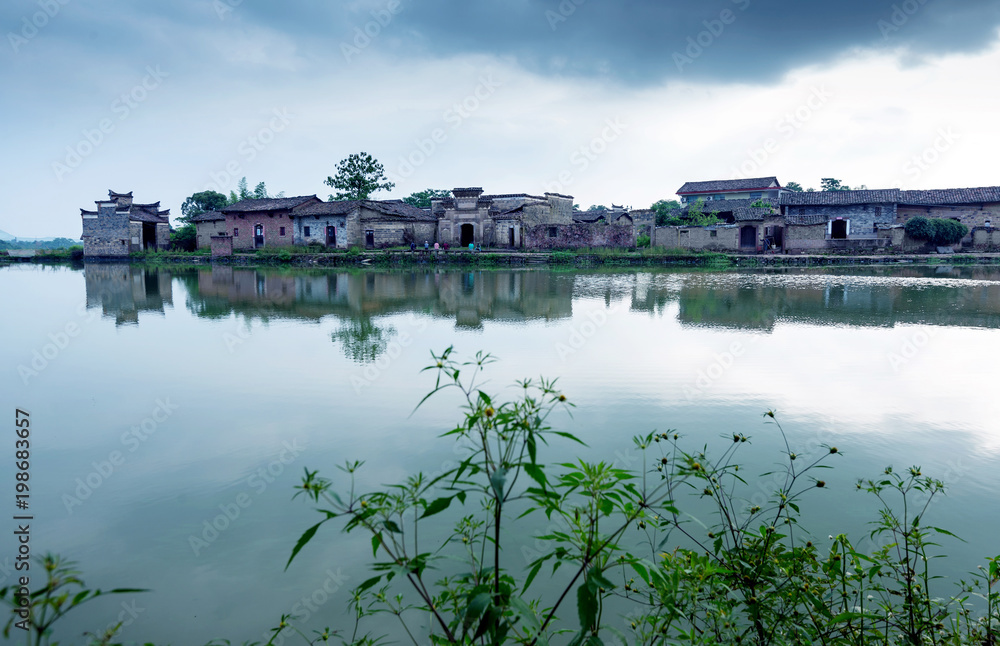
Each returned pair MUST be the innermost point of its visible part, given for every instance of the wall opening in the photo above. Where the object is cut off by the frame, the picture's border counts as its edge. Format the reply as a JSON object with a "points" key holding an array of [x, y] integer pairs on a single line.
{"points": [[748, 237], [258, 236], [468, 233], [838, 229], [331, 236]]}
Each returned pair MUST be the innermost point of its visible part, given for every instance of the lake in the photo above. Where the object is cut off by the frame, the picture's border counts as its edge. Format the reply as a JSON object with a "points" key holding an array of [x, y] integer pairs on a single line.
{"points": [[162, 399]]}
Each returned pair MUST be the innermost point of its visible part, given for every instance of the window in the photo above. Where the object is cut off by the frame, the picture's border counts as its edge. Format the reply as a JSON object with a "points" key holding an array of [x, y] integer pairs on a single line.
{"points": [[713, 234], [236, 232], [988, 224], [306, 231], [281, 231], [756, 196], [878, 211], [719, 197], [553, 232]]}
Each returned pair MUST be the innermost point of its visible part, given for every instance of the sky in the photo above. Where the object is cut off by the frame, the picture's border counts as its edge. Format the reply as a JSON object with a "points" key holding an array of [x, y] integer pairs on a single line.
{"points": [[611, 102]]}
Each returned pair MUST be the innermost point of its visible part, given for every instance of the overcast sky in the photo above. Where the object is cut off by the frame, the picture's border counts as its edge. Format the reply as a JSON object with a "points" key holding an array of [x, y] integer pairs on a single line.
{"points": [[612, 102]]}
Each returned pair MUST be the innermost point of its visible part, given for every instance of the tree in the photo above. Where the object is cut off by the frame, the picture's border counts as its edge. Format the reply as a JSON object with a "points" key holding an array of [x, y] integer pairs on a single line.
{"points": [[941, 232], [697, 217], [185, 238], [202, 203], [598, 207], [831, 184], [358, 177], [793, 186], [666, 212], [422, 199]]}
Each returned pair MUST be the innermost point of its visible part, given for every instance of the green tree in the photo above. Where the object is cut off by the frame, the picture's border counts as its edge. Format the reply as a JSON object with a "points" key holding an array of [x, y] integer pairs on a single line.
{"points": [[696, 215], [185, 238], [793, 186], [201, 203], [358, 177], [422, 199], [831, 184], [598, 207], [667, 212]]}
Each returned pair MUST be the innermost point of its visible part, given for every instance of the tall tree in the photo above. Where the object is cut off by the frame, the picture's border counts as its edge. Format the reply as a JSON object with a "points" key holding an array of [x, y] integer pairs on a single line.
{"points": [[358, 177], [201, 203], [793, 186], [667, 212], [831, 184], [422, 199]]}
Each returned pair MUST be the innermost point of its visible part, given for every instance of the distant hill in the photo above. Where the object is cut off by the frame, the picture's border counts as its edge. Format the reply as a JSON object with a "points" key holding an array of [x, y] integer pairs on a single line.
{"points": [[5, 236]]}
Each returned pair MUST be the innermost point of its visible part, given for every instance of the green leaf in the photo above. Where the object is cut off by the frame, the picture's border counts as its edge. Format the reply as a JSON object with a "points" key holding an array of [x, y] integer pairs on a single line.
{"points": [[596, 580], [392, 527], [524, 611], [586, 607], [437, 506], [535, 473], [368, 583], [305, 538], [376, 542], [476, 606]]}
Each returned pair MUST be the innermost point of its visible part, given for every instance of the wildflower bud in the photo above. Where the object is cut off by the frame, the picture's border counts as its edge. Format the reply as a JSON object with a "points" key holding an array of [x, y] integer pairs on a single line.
{"points": [[562, 398], [489, 411], [820, 484], [736, 438], [833, 449], [792, 456]]}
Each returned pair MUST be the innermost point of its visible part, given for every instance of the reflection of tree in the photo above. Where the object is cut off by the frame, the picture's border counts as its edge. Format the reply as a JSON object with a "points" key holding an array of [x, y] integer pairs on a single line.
{"points": [[363, 340]]}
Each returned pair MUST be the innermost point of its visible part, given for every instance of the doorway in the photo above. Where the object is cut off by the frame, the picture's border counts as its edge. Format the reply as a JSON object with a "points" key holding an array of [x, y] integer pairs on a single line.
{"points": [[748, 237], [148, 235], [331, 236], [778, 238], [838, 229], [370, 239], [468, 235], [258, 236], [511, 231]]}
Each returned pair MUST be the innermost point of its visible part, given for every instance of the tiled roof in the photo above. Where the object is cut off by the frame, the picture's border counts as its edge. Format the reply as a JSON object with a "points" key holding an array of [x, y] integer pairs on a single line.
{"points": [[208, 216], [268, 204], [731, 206], [113, 195], [343, 207], [146, 216], [745, 213], [805, 220], [832, 198], [722, 185], [394, 208], [951, 196]]}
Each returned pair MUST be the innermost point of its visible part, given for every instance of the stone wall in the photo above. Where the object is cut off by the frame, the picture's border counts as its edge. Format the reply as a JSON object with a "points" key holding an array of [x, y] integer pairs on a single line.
{"points": [[575, 236], [241, 227], [726, 238], [221, 245], [317, 225], [162, 235], [205, 231], [984, 238], [805, 237], [107, 234], [862, 218]]}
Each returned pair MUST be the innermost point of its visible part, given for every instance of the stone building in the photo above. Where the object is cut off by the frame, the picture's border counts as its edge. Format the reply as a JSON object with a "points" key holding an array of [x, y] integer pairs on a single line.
{"points": [[469, 216], [753, 188], [207, 225], [256, 224], [119, 226], [976, 208], [368, 223]]}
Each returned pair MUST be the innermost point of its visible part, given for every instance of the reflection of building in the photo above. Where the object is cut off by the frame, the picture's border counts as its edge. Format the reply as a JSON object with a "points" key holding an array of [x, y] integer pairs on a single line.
{"points": [[467, 297], [119, 226], [122, 291]]}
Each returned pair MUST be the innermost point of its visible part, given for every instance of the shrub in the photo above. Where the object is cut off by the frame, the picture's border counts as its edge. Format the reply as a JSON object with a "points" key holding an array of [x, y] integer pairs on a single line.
{"points": [[642, 241], [938, 231]]}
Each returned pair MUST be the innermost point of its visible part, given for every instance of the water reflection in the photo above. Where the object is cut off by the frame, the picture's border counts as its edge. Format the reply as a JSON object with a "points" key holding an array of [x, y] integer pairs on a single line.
{"points": [[122, 291]]}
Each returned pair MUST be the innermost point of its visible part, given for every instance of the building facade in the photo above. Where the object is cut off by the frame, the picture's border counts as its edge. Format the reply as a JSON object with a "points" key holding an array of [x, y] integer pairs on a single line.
{"points": [[120, 226]]}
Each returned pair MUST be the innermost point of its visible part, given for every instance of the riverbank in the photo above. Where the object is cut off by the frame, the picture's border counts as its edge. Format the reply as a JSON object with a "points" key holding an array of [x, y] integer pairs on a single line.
{"points": [[577, 258]]}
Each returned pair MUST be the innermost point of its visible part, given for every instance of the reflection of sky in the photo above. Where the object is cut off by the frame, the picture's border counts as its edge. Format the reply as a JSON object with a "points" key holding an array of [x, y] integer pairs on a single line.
{"points": [[627, 370]]}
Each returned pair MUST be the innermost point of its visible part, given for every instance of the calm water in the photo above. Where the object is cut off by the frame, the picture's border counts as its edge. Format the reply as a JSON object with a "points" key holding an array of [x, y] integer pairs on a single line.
{"points": [[213, 389]]}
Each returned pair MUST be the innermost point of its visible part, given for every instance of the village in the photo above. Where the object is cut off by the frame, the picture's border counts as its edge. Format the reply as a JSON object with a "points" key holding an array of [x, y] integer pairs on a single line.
{"points": [[745, 216]]}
